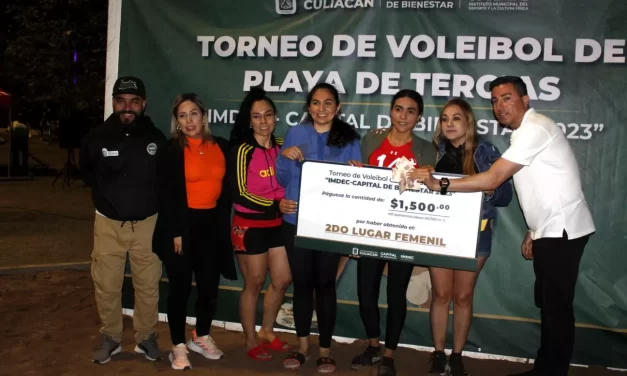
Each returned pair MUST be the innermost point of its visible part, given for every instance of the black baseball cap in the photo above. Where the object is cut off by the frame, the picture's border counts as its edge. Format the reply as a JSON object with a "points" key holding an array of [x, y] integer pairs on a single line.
{"points": [[129, 85]]}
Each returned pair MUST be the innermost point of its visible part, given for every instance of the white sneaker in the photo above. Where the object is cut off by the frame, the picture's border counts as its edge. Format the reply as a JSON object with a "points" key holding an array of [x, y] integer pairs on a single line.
{"points": [[178, 358], [204, 346]]}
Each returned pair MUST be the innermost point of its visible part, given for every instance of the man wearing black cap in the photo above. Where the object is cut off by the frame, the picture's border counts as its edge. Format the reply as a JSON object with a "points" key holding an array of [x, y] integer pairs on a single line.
{"points": [[118, 162]]}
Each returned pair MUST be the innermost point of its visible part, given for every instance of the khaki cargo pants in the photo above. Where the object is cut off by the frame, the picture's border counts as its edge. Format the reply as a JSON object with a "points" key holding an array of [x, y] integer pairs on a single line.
{"points": [[113, 240]]}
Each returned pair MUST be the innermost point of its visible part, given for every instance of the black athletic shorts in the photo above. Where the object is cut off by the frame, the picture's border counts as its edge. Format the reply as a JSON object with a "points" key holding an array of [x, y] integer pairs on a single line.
{"points": [[256, 240]]}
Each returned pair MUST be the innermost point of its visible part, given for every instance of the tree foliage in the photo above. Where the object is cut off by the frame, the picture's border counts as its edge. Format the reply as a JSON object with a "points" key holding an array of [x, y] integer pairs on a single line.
{"points": [[43, 37]]}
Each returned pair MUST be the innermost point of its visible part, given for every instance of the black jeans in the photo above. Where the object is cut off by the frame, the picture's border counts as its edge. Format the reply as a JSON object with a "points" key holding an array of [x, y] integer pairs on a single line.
{"points": [[369, 273], [199, 259], [556, 266], [312, 271]]}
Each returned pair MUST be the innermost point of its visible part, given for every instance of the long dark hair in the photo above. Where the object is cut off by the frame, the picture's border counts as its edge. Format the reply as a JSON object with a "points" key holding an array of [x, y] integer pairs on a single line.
{"points": [[242, 129], [341, 132], [411, 94]]}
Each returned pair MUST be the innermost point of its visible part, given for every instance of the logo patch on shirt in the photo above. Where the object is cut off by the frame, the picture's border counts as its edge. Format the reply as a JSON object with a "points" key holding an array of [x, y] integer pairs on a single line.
{"points": [[151, 148], [109, 153], [266, 173]]}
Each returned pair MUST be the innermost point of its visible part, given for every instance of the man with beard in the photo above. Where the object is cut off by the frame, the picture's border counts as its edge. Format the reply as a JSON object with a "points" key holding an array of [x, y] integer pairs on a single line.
{"points": [[547, 181], [119, 160]]}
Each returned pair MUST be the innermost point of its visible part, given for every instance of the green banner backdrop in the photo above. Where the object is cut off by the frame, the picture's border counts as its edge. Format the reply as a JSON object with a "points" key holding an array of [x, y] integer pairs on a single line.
{"points": [[571, 53]]}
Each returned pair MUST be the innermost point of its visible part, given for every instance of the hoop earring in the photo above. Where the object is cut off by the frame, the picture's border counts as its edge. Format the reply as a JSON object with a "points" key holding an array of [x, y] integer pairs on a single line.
{"points": [[178, 127]]}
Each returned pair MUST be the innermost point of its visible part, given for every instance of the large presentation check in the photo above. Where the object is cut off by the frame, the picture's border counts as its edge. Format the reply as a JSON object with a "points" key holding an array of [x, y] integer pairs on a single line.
{"points": [[359, 211]]}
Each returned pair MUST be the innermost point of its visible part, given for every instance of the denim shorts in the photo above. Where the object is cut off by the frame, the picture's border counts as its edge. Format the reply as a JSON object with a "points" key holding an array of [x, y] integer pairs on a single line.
{"points": [[484, 246]]}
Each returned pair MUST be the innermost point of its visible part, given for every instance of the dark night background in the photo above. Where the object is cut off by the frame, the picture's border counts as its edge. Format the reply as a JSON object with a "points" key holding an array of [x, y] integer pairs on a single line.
{"points": [[53, 58]]}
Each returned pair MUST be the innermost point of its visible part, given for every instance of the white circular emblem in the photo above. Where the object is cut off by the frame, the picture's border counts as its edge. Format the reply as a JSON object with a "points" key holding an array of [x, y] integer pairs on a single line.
{"points": [[105, 152], [152, 148]]}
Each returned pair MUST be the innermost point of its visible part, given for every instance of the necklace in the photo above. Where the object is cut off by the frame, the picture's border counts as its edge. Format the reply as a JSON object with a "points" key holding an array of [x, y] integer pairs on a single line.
{"points": [[201, 149]]}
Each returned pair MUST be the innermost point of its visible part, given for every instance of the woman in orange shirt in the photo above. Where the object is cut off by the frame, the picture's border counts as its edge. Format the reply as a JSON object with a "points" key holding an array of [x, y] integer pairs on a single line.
{"points": [[192, 231]]}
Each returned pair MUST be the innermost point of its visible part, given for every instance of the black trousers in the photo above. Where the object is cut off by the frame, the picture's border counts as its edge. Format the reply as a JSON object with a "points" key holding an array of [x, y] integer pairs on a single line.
{"points": [[312, 271], [369, 273], [19, 157], [556, 266], [200, 260]]}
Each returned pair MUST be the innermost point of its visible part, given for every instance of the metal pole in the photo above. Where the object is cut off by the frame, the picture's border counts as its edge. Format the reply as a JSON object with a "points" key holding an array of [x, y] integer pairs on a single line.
{"points": [[10, 145]]}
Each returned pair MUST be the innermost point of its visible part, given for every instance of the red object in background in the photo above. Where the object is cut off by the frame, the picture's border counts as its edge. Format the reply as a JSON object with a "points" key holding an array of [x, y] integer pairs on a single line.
{"points": [[5, 98]]}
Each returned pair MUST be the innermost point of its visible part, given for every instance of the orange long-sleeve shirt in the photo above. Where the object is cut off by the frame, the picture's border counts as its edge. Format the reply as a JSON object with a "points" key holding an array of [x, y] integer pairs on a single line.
{"points": [[205, 167]]}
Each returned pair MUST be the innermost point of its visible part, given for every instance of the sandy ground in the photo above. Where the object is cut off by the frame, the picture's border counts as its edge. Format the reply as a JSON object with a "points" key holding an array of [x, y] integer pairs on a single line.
{"points": [[49, 327], [48, 318]]}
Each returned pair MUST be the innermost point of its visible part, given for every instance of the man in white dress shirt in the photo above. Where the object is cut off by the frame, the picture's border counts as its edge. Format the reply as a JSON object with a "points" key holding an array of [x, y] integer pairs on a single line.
{"points": [[546, 177]]}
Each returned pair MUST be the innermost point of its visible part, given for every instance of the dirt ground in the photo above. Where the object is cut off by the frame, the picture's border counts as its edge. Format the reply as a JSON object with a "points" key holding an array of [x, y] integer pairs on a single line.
{"points": [[48, 318], [49, 327]]}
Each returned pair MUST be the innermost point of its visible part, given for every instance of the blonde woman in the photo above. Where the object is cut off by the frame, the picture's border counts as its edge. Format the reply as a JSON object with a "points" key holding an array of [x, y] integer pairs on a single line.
{"points": [[461, 151], [192, 232]]}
